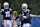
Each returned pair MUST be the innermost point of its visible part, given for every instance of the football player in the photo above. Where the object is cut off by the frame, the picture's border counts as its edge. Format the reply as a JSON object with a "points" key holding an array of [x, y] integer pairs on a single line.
{"points": [[17, 22], [6, 15], [15, 19], [25, 16]]}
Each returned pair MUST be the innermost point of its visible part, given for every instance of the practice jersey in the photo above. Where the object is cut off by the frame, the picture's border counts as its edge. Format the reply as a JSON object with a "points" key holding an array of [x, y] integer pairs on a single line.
{"points": [[6, 13], [24, 14]]}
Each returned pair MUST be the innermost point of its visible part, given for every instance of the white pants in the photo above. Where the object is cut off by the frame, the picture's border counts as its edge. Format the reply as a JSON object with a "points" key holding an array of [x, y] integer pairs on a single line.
{"points": [[27, 25], [15, 24], [7, 23], [20, 24]]}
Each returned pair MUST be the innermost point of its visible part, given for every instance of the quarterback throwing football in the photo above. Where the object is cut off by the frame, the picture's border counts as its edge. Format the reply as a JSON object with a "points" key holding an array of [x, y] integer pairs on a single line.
{"points": [[25, 16]]}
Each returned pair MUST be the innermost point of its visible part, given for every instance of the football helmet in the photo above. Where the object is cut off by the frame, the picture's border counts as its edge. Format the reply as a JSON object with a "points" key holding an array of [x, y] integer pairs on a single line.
{"points": [[24, 6], [6, 5]]}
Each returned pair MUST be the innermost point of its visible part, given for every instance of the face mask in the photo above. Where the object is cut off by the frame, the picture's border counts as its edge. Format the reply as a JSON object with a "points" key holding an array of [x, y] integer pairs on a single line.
{"points": [[6, 7], [23, 9]]}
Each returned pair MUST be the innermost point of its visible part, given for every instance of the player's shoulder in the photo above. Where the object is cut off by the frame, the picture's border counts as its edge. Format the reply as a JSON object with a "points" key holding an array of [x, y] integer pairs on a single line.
{"points": [[10, 9], [2, 10], [27, 10]]}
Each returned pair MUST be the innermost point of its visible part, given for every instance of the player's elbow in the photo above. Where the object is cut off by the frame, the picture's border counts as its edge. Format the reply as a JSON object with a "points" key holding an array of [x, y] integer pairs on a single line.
{"points": [[27, 18]]}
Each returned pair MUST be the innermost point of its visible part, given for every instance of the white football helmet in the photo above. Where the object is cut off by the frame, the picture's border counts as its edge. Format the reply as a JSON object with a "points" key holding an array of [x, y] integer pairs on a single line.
{"points": [[6, 5], [15, 13], [24, 6]]}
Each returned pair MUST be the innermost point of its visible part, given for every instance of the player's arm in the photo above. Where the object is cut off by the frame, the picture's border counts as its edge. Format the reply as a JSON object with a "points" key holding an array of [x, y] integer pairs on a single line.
{"points": [[2, 15], [11, 16], [11, 13], [27, 15], [2, 18]]}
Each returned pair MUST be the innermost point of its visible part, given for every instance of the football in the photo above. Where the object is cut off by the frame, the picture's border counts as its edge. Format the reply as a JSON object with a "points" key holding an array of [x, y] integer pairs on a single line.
{"points": [[21, 15]]}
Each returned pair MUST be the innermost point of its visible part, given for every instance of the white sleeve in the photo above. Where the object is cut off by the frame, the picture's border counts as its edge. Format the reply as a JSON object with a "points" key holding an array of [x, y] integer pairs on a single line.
{"points": [[24, 17], [28, 10], [2, 10]]}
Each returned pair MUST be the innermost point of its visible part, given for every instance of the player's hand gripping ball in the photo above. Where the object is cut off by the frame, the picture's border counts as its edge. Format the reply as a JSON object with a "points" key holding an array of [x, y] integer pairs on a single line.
{"points": [[21, 15]]}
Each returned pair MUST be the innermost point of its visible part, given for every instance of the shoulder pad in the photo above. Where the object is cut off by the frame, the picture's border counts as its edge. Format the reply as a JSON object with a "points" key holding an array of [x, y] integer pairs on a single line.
{"points": [[27, 10], [10, 9], [2, 10]]}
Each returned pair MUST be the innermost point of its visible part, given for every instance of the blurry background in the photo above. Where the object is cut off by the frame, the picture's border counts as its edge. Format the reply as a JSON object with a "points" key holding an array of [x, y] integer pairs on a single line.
{"points": [[34, 6]]}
